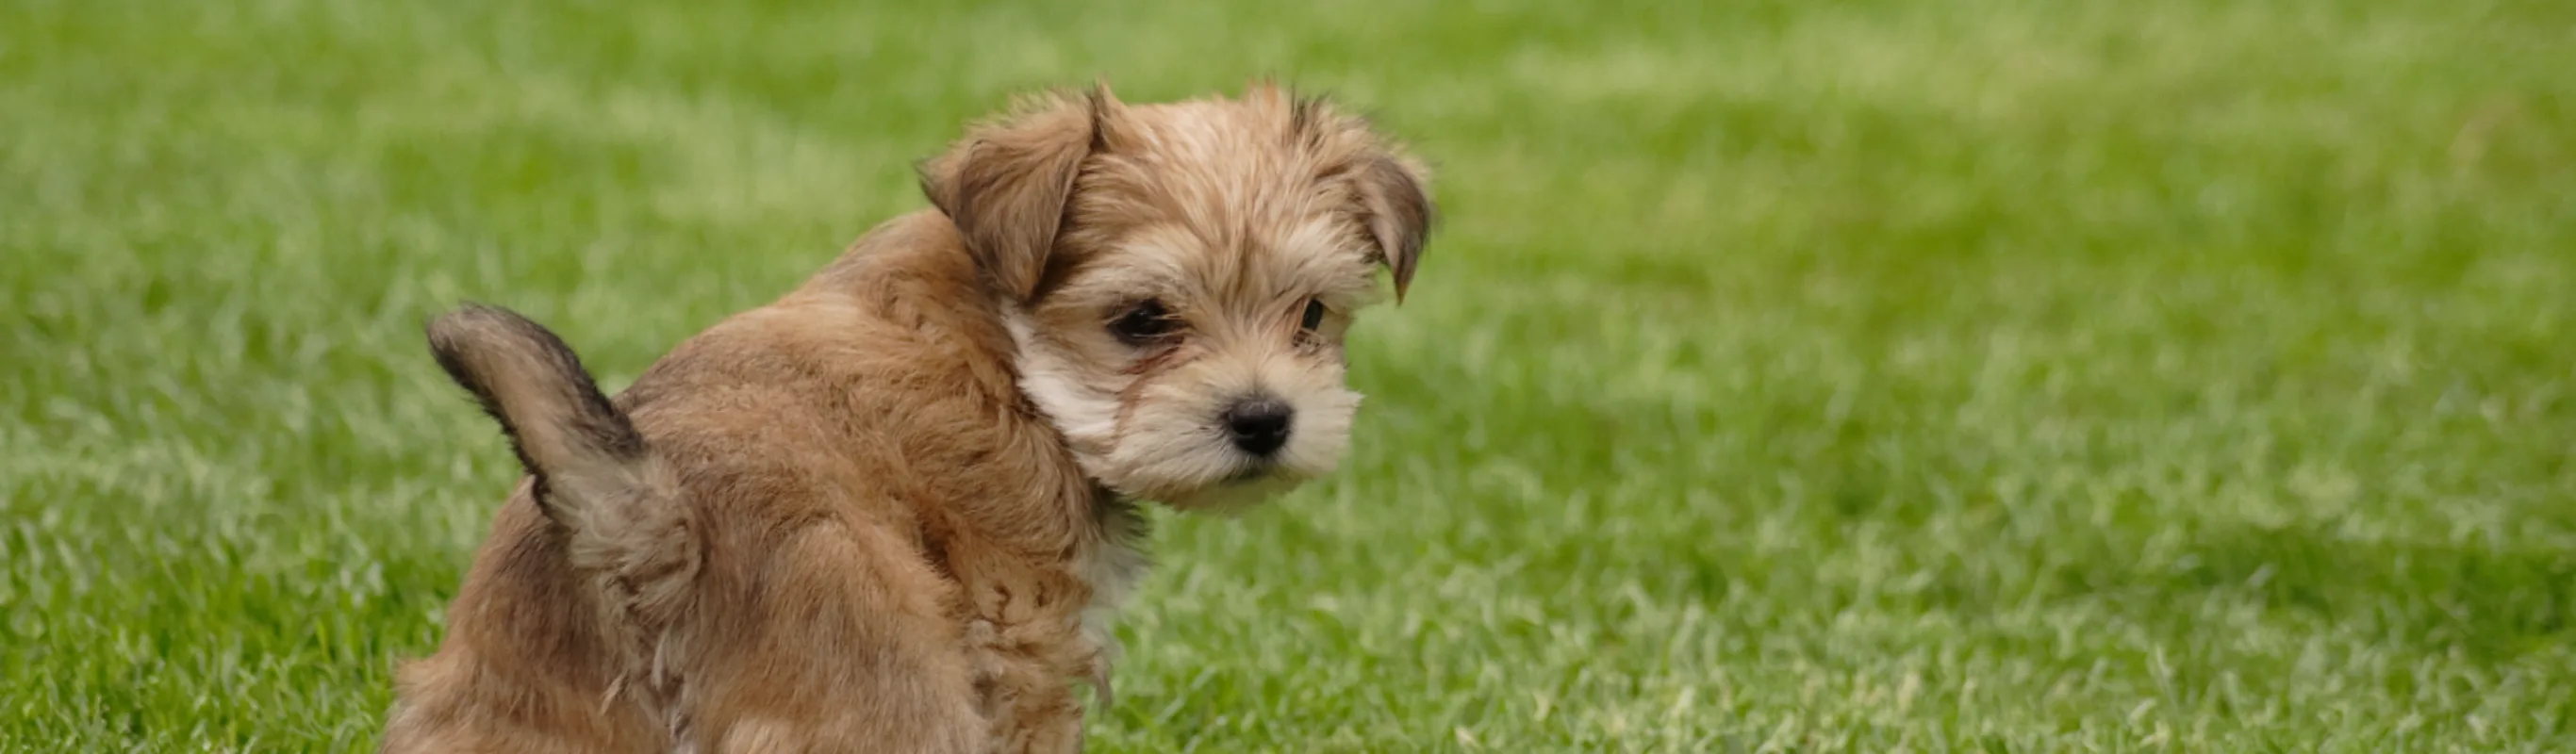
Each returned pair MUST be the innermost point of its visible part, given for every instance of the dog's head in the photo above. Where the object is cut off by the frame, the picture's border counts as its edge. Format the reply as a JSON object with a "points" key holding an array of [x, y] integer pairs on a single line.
{"points": [[1178, 277]]}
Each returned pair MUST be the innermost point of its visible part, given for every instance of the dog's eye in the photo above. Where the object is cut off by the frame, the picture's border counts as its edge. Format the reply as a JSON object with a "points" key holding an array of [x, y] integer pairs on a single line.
{"points": [[1142, 323], [1314, 315]]}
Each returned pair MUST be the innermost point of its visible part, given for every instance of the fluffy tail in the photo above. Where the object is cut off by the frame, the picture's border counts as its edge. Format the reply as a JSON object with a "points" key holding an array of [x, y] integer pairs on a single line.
{"points": [[595, 476], [584, 454]]}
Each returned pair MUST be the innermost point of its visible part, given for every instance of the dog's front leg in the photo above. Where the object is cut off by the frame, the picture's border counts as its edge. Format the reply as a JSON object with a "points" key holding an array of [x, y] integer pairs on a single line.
{"points": [[1024, 672], [1032, 710]]}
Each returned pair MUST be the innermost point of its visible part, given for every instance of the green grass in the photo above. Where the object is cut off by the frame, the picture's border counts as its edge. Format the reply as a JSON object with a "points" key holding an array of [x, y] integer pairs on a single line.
{"points": [[1953, 375]]}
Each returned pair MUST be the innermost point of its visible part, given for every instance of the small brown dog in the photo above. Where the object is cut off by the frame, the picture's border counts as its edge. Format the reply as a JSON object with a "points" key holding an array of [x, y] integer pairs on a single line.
{"points": [[892, 510]]}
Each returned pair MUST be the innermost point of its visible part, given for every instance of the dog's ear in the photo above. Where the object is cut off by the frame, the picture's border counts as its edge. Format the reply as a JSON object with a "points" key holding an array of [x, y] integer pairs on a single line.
{"points": [[1006, 183], [1398, 213], [1394, 204]]}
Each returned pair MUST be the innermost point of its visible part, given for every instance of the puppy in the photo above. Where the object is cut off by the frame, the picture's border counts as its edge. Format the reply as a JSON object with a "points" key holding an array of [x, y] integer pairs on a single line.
{"points": [[893, 510]]}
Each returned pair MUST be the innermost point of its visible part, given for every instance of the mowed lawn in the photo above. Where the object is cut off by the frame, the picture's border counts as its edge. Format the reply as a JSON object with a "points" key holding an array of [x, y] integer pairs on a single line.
{"points": [[1946, 375]]}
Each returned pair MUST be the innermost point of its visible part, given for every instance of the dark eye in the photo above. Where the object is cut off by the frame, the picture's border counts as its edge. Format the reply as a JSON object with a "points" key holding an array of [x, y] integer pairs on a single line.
{"points": [[1314, 315], [1142, 323]]}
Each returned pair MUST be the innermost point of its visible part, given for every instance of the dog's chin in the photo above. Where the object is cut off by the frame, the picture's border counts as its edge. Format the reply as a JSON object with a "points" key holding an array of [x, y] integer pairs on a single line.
{"points": [[1236, 488], [1236, 493]]}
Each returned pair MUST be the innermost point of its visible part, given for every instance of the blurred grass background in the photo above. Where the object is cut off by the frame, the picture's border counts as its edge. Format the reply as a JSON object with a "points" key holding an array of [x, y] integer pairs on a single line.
{"points": [[1869, 375]]}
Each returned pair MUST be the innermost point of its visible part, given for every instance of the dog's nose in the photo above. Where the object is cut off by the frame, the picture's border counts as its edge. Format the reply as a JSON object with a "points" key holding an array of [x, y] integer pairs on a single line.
{"points": [[1258, 425]]}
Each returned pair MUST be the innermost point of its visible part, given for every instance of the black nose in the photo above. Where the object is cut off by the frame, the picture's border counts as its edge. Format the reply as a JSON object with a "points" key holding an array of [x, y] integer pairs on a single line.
{"points": [[1259, 425]]}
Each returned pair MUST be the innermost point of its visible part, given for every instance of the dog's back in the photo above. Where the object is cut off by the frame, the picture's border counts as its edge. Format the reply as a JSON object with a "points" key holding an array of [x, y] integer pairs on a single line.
{"points": [[769, 465]]}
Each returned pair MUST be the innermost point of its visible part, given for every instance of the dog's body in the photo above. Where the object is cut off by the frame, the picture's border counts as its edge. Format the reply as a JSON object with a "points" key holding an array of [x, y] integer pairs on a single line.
{"points": [[890, 511]]}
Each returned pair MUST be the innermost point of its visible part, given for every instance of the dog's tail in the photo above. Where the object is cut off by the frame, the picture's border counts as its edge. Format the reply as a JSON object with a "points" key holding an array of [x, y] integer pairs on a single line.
{"points": [[582, 451], [617, 502], [595, 475]]}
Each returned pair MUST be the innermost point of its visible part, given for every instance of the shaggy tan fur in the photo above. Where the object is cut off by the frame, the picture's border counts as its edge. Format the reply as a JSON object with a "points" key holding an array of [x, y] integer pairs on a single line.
{"points": [[892, 510]]}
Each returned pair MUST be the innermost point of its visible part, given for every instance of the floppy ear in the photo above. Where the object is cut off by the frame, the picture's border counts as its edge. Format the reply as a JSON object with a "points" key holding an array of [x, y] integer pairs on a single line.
{"points": [[1006, 183], [1398, 213]]}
